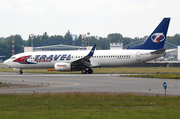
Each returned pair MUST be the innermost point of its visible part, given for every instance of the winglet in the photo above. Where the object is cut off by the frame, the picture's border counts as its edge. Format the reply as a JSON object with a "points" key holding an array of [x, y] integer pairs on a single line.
{"points": [[92, 51]]}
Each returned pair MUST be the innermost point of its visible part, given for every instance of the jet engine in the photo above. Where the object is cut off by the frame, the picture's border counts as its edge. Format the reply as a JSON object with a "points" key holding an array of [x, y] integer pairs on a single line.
{"points": [[62, 67]]}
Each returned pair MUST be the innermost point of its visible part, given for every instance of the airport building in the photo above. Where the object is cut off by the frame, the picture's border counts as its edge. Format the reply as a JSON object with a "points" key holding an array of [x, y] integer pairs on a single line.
{"points": [[178, 55], [116, 46], [55, 48]]}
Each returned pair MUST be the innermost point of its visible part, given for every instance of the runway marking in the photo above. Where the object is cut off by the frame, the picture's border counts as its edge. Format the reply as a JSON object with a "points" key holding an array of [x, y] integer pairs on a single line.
{"points": [[60, 85], [111, 77]]}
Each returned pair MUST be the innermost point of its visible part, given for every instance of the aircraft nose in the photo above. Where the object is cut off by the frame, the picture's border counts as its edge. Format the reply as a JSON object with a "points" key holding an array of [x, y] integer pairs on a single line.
{"points": [[6, 62]]}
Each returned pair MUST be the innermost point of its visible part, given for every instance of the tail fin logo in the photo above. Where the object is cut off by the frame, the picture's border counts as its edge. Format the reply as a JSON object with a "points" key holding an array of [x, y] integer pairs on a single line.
{"points": [[157, 37]]}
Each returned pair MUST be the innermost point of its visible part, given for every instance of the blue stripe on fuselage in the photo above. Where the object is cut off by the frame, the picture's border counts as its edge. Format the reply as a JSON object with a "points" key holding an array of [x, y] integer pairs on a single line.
{"points": [[53, 57]]}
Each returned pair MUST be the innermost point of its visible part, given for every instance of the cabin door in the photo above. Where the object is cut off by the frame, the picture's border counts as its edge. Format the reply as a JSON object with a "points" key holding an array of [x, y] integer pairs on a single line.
{"points": [[138, 56]]}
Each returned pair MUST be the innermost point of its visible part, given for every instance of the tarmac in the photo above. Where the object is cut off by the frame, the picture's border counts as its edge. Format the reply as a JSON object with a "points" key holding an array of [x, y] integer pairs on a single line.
{"points": [[85, 83]]}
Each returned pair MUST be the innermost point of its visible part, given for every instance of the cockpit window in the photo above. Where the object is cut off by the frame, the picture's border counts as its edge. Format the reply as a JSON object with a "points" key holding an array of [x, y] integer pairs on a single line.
{"points": [[13, 57]]}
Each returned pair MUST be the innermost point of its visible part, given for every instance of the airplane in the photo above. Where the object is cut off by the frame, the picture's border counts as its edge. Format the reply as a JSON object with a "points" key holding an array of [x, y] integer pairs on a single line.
{"points": [[151, 48]]}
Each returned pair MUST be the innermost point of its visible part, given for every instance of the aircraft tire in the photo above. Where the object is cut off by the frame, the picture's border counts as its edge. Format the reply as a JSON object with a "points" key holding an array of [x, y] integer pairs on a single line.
{"points": [[84, 71], [20, 72], [90, 71]]}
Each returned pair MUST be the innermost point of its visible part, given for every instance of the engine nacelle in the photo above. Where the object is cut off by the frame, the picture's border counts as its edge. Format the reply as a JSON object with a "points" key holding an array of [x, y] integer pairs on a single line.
{"points": [[62, 67]]}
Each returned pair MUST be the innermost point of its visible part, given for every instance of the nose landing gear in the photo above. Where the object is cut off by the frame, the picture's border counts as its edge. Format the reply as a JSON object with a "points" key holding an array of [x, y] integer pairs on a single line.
{"points": [[20, 71]]}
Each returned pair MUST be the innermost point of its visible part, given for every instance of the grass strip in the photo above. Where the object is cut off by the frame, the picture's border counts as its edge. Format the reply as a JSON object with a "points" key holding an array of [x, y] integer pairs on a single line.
{"points": [[123, 70], [90, 105], [161, 76]]}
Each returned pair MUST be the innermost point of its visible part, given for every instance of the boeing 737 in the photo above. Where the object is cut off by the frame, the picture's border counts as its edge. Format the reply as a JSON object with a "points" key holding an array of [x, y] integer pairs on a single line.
{"points": [[151, 48]]}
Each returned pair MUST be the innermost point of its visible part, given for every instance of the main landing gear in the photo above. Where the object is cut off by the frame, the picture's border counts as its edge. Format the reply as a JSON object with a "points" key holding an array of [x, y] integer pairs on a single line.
{"points": [[20, 71], [89, 71]]}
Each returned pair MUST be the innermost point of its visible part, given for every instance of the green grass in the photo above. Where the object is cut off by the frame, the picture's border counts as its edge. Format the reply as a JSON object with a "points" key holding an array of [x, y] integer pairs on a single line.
{"points": [[92, 105], [162, 76], [158, 72], [123, 70]]}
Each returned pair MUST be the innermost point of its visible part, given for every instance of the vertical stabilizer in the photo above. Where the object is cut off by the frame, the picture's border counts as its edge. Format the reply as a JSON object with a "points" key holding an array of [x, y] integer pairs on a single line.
{"points": [[157, 38]]}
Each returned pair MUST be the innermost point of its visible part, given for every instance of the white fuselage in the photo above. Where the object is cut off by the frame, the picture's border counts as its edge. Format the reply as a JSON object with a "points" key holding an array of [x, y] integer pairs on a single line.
{"points": [[101, 58]]}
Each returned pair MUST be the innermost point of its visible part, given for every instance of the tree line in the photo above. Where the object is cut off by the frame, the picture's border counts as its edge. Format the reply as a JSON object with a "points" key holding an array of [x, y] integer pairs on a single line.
{"points": [[101, 42]]}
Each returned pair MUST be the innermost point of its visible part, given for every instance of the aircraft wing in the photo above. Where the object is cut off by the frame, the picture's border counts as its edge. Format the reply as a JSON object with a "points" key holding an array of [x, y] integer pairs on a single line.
{"points": [[85, 60]]}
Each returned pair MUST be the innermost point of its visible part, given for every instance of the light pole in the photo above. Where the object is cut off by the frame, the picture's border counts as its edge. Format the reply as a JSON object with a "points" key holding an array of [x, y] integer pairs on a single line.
{"points": [[31, 36], [88, 37], [13, 50], [83, 35]]}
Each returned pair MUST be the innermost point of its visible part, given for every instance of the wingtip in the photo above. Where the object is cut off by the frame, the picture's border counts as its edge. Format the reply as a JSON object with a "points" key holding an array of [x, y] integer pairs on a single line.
{"points": [[94, 47], [92, 51]]}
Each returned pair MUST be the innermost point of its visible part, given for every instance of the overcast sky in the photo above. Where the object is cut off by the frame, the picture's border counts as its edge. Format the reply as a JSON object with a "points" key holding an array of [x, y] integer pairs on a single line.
{"points": [[131, 18]]}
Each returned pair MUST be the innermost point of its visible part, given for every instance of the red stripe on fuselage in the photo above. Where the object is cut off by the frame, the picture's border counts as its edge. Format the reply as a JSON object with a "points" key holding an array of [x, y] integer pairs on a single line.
{"points": [[21, 59]]}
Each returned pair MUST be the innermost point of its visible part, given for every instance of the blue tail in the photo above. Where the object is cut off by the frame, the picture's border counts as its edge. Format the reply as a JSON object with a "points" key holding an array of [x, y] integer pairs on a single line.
{"points": [[157, 38]]}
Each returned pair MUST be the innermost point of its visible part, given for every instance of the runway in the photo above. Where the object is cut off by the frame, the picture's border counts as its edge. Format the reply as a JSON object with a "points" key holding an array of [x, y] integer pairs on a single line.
{"points": [[112, 83]]}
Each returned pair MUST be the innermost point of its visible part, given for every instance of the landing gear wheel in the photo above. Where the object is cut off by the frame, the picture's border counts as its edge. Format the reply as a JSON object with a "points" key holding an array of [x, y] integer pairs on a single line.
{"points": [[84, 71], [20, 72], [90, 71]]}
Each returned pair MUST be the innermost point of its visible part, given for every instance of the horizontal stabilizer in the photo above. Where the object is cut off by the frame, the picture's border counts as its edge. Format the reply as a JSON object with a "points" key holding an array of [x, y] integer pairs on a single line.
{"points": [[159, 51], [171, 50]]}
